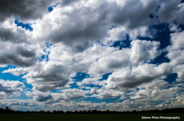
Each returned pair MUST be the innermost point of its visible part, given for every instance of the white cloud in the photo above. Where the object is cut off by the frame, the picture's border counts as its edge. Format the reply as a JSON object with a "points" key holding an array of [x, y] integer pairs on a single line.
{"points": [[106, 93], [3, 95], [47, 76], [142, 50], [177, 40], [132, 77], [156, 84], [180, 71], [10, 88], [94, 81], [65, 94], [139, 52], [120, 32], [94, 90], [70, 94]]}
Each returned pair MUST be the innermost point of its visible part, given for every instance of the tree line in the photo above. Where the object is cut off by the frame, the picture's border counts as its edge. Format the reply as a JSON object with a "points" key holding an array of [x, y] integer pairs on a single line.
{"points": [[170, 110]]}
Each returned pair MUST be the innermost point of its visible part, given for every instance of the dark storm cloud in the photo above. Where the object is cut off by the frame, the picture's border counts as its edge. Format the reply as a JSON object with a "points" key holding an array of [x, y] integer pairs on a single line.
{"points": [[25, 9]]}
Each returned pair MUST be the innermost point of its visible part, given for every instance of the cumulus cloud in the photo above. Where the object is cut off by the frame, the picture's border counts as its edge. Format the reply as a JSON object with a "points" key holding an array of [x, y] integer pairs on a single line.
{"points": [[18, 54], [47, 76], [170, 11], [103, 93], [94, 90], [142, 50], [3, 95], [10, 88], [94, 81], [66, 95], [180, 71], [70, 94], [139, 51], [64, 24], [135, 76], [156, 84], [17, 71], [42, 97]]}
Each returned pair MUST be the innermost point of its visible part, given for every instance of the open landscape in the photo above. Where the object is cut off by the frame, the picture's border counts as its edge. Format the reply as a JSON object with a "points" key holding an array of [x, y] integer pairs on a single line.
{"points": [[92, 115], [88, 117]]}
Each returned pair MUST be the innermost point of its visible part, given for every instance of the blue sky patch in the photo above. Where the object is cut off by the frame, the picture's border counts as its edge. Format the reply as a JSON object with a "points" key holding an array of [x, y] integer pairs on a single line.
{"points": [[160, 59], [123, 43], [80, 76], [96, 100], [152, 15], [181, 27], [51, 8], [27, 26], [8, 76], [55, 91], [171, 78], [92, 85], [44, 58], [105, 76], [73, 86], [159, 32], [11, 77], [112, 27]]}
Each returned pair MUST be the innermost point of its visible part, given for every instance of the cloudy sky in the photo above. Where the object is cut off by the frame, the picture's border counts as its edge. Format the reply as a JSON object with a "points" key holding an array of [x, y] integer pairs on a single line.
{"points": [[91, 54]]}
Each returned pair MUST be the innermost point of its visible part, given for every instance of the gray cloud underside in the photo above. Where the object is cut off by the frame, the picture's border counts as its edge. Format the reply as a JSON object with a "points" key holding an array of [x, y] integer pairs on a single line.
{"points": [[27, 9], [18, 55], [10, 88]]}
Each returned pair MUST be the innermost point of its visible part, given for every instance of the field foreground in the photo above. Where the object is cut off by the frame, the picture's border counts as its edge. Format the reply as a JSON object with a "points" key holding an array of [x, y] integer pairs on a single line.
{"points": [[88, 117]]}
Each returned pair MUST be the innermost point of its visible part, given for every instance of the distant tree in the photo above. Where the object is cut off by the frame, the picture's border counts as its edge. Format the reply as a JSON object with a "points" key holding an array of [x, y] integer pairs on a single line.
{"points": [[75, 112], [7, 108], [89, 111]]}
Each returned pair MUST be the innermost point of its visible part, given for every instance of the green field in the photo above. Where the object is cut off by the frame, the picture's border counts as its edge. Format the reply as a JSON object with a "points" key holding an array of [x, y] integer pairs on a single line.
{"points": [[86, 117]]}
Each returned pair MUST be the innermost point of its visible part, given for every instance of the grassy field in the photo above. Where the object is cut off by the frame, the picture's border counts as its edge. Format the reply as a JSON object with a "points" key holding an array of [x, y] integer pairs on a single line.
{"points": [[86, 117]]}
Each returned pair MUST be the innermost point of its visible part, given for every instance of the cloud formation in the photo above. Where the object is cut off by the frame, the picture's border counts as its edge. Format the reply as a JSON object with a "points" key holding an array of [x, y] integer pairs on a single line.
{"points": [[10, 88], [117, 45]]}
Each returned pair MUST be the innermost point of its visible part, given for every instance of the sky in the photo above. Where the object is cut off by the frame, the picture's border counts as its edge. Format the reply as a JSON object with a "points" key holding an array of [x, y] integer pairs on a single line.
{"points": [[89, 54]]}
